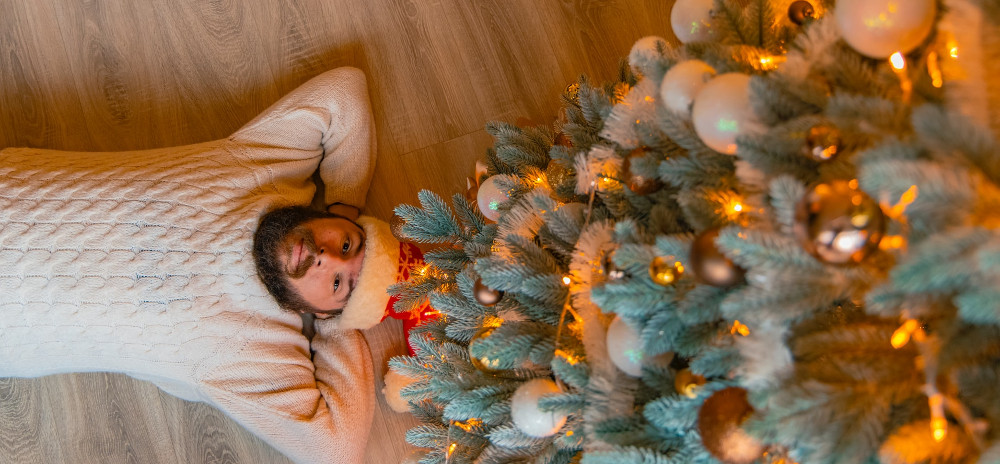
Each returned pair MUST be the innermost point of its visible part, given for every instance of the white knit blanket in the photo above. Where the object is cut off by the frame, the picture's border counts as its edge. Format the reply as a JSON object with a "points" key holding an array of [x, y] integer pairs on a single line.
{"points": [[139, 263]]}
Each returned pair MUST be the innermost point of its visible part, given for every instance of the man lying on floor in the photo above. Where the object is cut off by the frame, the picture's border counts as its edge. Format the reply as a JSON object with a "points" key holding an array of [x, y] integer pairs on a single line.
{"points": [[141, 263]]}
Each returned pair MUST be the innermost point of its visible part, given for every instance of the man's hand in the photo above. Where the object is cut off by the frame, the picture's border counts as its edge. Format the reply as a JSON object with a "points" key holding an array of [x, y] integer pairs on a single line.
{"points": [[344, 210]]}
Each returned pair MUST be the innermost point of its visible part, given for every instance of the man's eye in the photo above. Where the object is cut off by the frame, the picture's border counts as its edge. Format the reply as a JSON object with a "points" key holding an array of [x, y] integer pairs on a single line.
{"points": [[336, 283], [347, 247]]}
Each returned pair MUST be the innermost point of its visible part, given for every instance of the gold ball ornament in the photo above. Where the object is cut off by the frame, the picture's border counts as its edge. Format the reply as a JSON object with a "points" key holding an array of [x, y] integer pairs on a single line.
{"points": [[640, 185], [801, 12], [485, 296], [838, 223], [686, 383], [665, 270], [823, 142], [710, 266], [483, 364], [719, 421]]}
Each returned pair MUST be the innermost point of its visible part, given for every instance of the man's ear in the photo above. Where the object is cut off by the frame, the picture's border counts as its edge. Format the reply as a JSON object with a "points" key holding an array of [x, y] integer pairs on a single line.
{"points": [[344, 210]]}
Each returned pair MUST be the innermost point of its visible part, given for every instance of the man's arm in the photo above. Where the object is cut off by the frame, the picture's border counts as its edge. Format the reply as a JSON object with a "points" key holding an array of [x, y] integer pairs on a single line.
{"points": [[325, 124]]}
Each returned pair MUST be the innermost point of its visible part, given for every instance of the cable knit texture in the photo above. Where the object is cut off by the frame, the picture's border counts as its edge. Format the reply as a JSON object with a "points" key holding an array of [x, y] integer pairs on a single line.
{"points": [[140, 263]]}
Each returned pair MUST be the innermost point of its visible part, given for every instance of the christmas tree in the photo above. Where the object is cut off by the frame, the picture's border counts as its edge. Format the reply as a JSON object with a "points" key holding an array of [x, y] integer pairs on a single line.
{"points": [[774, 242]]}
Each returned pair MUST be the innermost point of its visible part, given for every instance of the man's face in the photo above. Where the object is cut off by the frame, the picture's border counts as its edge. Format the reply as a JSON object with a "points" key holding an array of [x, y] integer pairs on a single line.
{"points": [[322, 259]]}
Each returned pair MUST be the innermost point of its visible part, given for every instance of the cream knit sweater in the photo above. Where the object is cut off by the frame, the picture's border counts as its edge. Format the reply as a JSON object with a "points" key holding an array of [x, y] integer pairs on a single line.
{"points": [[139, 262]]}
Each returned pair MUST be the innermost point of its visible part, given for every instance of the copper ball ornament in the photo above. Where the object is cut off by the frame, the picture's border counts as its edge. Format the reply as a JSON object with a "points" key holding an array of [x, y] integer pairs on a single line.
{"points": [[719, 421], [823, 142], [640, 185], [710, 266], [396, 224], [801, 11], [484, 295], [665, 270], [838, 223]]}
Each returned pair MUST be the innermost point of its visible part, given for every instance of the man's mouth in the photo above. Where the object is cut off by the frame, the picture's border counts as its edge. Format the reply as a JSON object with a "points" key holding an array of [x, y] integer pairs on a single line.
{"points": [[297, 253]]}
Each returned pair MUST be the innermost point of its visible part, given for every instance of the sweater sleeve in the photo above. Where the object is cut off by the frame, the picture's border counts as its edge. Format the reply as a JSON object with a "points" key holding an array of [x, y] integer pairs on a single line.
{"points": [[327, 122], [312, 411]]}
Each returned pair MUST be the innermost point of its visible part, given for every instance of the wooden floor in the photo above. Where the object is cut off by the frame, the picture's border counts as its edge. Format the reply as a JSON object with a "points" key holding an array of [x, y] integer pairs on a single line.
{"points": [[110, 75]]}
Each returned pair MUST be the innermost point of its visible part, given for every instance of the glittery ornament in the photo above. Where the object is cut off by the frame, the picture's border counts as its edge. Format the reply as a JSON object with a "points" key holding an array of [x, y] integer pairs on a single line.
{"points": [[719, 421], [490, 197], [838, 223], [484, 295], [526, 414], [686, 383], [562, 180], [823, 142], [879, 28], [483, 364], [691, 20], [573, 92], [710, 266], [640, 185], [682, 82], [665, 270], [722, 111], [396, 224], [800, 11]]}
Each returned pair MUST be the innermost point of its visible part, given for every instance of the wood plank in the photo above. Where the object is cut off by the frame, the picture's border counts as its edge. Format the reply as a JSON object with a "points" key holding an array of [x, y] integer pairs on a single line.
{"points": [[105, 75]]}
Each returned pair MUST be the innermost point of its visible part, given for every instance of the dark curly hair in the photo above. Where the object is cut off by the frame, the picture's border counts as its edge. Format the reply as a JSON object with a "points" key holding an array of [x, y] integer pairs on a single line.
{"points": [[273, 228]]}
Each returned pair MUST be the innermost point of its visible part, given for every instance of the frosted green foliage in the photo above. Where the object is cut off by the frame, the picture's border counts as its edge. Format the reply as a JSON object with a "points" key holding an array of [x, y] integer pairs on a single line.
{"points": [[713, 170], [785, 195], [521, 148], [824, 380], [512, 344], [949, 136]]}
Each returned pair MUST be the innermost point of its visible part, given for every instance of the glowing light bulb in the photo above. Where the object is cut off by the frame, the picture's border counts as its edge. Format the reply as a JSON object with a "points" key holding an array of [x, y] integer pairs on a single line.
{"points": [[739, 328], [902, 335], [939, 427], [566, 280], [897, 61]]}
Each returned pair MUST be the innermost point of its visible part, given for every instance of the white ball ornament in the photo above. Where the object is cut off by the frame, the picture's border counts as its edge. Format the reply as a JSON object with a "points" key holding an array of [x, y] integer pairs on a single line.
{"points": [[645, 51], [625, 348], [490, 197], [691, 20], [722, 111], [879, 28], [394, 382], [683, 82], [525, 413]]}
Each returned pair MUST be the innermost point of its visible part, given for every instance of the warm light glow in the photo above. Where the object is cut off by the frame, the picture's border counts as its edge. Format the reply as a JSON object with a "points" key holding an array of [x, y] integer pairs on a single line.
{"points": [[934, 70], [769, 63], [906, 199], [940, 428], [892, 242], [897, 61], [566, 280], [568, 357], [902, 335], [539, 179], [649, 98], [451, 448], [469, 424], [739, 328], [569, 434], [853, 183], [737, 207], [952, 48]]}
